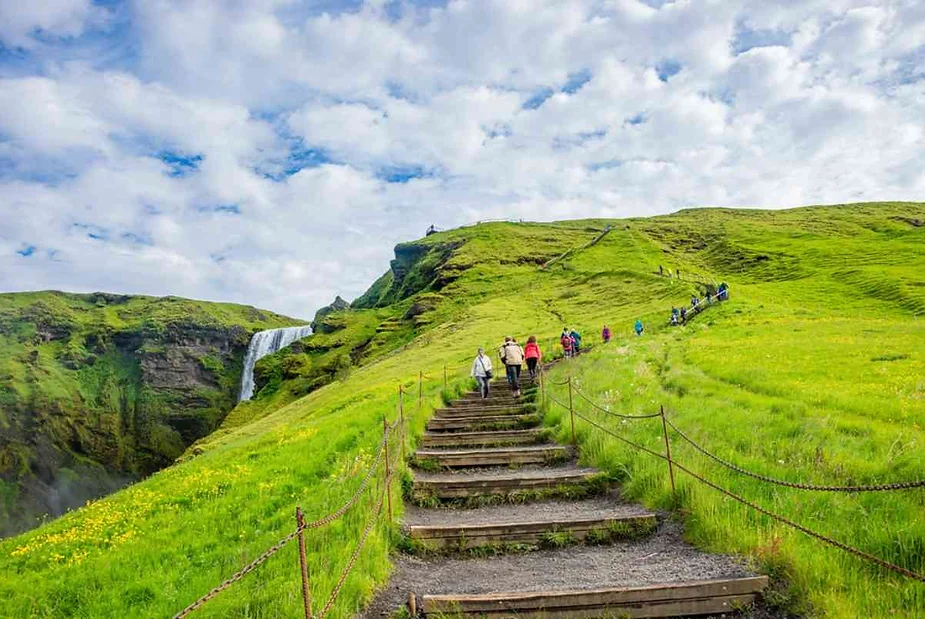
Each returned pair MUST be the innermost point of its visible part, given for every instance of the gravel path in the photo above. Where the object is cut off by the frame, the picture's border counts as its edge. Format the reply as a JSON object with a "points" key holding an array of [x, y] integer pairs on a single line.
{"points": [[663, 557], [524, 472], [607, 506]]}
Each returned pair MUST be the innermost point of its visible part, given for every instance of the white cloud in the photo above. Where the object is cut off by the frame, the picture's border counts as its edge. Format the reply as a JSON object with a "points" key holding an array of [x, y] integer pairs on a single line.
{"points": [[243, 150]]}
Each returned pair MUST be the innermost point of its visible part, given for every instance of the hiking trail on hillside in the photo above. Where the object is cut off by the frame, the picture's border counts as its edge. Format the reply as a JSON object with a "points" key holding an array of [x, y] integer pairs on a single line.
{"points": [[504, 522]]}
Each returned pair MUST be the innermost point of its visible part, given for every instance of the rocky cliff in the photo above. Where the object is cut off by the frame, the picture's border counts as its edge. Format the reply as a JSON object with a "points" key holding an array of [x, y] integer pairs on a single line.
{"points": [[99, 390]]}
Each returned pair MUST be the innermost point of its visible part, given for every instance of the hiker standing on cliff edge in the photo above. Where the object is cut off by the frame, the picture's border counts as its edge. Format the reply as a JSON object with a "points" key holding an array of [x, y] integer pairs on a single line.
{"points": [[512, 356]]}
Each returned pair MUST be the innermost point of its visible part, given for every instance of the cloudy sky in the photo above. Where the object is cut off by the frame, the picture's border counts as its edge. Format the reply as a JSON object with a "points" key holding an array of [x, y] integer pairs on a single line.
{"points": [[272, 152]]}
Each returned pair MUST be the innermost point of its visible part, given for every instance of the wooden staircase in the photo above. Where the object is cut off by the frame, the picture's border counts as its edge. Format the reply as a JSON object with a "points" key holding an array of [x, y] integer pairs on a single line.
{"points": [[487, 480]]}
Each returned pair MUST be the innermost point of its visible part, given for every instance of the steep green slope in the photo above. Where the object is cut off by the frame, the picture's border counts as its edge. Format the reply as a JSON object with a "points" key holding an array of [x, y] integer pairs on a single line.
{"points": [[151, 549], [98, 390]]}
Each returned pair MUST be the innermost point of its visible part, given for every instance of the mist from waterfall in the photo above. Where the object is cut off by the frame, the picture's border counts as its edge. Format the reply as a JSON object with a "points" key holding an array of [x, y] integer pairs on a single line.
{"points": [[266, 343]]}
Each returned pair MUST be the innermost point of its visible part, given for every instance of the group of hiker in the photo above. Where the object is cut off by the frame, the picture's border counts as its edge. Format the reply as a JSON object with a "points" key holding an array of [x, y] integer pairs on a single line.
{"points": [[513, 357], [680, 315]]}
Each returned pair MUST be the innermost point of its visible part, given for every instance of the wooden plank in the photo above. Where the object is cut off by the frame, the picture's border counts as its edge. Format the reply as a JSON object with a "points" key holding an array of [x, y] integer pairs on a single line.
{"points": [[454, 413], [693, 597], [446, 489], [496, 456], [716, 605], [464, 439], [477, 423], [522, 532]]}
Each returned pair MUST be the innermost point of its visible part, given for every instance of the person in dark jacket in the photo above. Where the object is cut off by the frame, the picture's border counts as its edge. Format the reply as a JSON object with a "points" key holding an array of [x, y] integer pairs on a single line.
{"points": [[606, 334]]}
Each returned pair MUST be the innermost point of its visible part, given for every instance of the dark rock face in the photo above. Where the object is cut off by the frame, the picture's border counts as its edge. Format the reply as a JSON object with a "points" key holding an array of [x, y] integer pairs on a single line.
{"points": [[91, 400], [320, 325]]}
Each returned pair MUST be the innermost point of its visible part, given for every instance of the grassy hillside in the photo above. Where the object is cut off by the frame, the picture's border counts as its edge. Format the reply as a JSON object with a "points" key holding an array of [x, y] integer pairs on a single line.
{"points": [[98, 390], [818, 352]]}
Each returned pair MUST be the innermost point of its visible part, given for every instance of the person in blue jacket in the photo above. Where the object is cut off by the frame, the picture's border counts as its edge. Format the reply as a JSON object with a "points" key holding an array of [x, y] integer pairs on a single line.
{"points": [[576, 341], [638, 327]]}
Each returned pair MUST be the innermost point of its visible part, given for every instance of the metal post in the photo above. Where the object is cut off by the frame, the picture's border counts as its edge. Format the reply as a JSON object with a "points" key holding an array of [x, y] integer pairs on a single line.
{"points": [[571, 410], [674, 491], [306, 593], [388, 470], [401, 415]]}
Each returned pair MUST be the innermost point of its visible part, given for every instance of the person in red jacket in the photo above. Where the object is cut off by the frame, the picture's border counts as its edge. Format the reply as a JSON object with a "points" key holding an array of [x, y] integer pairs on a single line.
{"points": [[533, 355]]}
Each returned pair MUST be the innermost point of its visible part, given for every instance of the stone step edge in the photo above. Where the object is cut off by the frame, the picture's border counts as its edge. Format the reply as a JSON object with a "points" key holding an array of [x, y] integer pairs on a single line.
{"points": [[493, 451], [659, 600]]}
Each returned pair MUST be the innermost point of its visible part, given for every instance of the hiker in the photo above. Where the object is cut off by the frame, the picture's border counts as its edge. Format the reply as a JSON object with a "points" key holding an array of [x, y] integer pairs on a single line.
{"points": [[723, 294], [694, 300], [674, 318], [576, 342], [638, 327], [606, 334], [709, 297], [481, 371], [533, 355], [566, 341], [683, 315], [512, 356]]}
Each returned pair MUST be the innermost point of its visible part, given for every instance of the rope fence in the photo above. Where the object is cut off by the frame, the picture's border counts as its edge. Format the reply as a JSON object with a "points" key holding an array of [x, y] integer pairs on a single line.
{"points": [[383, 458], [674, 464]]}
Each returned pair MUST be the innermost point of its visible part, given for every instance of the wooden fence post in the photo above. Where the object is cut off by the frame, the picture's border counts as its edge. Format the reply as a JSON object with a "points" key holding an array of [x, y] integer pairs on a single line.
{"points": [[444, 377], [571, 410], [388, 468], [674, 491], [306, 593], [420, 390], [401, 416]]}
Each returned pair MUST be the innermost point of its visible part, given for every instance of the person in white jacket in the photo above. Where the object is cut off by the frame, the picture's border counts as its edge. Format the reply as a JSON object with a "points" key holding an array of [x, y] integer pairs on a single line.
{"points": [[481, 370]]}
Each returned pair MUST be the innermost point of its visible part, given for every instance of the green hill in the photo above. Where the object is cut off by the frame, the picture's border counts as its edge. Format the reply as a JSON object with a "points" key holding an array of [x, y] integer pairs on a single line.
{"points": [[812, 371], [98, 390]]}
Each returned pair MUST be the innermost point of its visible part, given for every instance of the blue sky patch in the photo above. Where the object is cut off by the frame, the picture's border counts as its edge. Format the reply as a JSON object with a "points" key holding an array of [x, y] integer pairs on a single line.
{"points": [[636, 119], [667, 68], [93, 232], [180, 165], [26, 251], [576, 81], [230, 209], [605, 165], [402, 174], [745, 38], [538, 98]]}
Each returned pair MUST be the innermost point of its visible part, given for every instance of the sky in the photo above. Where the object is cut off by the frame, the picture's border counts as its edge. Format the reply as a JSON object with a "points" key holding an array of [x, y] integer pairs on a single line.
{"points": [[273, 152]]}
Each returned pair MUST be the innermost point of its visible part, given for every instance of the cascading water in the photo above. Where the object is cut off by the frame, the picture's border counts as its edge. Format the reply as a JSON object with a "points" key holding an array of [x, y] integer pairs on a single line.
{"points": [[266, 343]]}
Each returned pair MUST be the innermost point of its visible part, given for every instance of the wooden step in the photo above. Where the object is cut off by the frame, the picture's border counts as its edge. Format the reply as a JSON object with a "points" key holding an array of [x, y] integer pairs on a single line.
{"points": [[662, 600], [480, 439], [451, 486], [494, 422], [499, 456], [447, 413], [535, 532]]}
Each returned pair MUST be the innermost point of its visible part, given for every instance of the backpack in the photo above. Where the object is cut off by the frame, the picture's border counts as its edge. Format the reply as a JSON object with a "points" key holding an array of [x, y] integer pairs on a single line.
{"points": [[566, 342]]}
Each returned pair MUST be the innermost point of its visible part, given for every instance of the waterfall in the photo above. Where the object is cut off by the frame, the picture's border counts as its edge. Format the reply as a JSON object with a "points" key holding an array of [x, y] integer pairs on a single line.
{"points": [[266, 343]]}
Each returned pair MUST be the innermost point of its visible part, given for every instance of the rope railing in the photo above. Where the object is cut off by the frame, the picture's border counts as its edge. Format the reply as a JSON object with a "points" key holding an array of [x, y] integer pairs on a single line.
{"points": [[673, 463], [902, 485], [382, 457], [301, 528]]}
